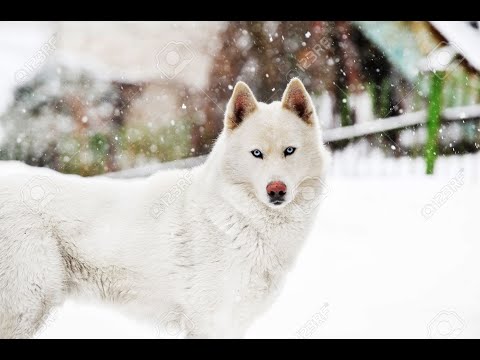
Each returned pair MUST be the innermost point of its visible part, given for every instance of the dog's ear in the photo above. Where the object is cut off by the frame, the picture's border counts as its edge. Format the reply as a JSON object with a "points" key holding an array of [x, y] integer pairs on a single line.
{"points": [[296, 99], [241, 104]]}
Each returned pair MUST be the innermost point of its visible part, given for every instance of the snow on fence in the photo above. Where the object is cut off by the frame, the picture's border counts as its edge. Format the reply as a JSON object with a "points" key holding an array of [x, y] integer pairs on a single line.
{"points": [[356, 160], [398, 122], [360, 159]]}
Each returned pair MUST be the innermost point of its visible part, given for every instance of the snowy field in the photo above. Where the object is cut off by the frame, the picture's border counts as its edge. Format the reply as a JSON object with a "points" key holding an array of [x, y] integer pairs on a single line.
{"points": [[393, 254], [389, 257]]}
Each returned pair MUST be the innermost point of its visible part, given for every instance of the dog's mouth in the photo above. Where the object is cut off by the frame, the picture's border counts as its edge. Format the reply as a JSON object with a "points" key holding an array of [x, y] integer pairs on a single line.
{"points": [[277, 203], [273, 203]]}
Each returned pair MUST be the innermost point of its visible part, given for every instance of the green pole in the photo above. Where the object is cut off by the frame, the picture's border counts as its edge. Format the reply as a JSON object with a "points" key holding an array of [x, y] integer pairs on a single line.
{"points": [[433, 120]]}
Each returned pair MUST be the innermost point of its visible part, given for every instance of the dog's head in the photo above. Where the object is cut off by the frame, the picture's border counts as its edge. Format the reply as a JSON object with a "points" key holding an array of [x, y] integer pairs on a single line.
{"points": [[273, 150]]}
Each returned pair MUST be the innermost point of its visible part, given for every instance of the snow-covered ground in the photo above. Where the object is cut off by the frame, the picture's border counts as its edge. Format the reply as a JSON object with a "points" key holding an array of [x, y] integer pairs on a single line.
{"points": [[384, 269], [361, 159], [374, 266]]}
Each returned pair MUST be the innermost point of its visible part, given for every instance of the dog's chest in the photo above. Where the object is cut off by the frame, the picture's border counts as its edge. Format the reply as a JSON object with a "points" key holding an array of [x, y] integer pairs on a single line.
{"points": [[242, 262], [258, 264]]}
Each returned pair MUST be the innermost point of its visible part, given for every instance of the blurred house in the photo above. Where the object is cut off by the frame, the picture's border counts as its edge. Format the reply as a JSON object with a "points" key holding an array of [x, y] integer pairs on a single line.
{"points": [[69, 61], [413, 47], [138, 52], [418, 49]]}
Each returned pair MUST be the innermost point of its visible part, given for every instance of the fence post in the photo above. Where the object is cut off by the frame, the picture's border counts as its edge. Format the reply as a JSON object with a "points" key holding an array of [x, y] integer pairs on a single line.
{"points": [[433, 120]]}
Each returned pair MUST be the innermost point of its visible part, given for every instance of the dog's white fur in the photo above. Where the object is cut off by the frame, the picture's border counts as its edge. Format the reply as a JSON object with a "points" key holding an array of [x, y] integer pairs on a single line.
{"points": [[203, 248]]}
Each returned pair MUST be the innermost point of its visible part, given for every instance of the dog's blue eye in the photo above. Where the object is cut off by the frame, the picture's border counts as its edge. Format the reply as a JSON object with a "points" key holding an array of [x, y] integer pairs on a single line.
{"points": [[257, 153], [289, 150]]}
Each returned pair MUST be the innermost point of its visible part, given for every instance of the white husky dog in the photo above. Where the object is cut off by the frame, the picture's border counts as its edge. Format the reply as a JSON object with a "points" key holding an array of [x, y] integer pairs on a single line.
{"points": [[202, 251]]}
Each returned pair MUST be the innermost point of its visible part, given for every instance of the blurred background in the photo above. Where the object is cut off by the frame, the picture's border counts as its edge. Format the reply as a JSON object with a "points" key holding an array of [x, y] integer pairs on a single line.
{"points": [[394, 251], [92, 98]]}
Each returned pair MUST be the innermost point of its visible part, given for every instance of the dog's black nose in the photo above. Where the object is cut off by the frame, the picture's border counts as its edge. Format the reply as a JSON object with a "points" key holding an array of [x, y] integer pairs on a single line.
{"points": [[277, 190]]}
